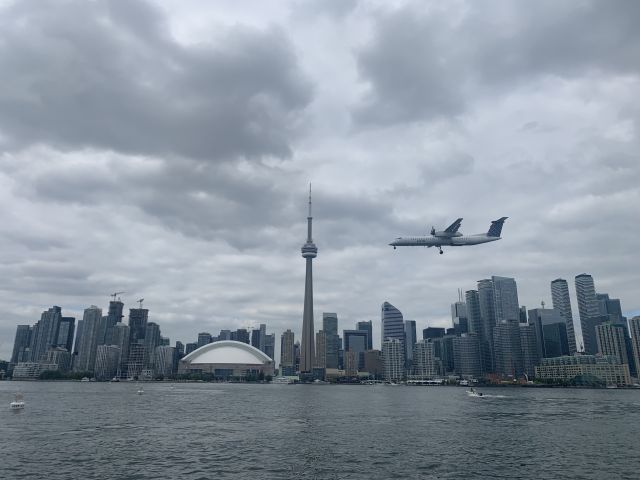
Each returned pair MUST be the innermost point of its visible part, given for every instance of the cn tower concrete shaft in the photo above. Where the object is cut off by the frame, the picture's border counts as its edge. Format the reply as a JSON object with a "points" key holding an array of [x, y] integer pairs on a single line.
{"points": [[307, 347]]}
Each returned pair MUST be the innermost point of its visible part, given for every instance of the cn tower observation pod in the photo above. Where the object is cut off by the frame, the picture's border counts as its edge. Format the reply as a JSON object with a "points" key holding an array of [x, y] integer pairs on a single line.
{"points": [[227, 358]]}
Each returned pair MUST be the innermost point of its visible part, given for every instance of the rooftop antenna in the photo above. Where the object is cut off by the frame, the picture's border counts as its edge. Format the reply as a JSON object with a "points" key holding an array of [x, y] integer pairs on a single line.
{"points": [[140, 302], [309, 199]]}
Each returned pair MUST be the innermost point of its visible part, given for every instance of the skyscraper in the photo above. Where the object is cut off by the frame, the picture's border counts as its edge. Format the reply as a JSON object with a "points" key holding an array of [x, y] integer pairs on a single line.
{"points": [[204, 338], [551, 332], [307, 347], [634, 326], [120, 338], [137, 324], [466, 355], [505, 294], [562, 303], [392, 323], [507, 348], [21, 343], [114, 316], [45, 333], [610, 338], [588, 311], [410, 340], [393, 359], [287, 354], [332, 339], [424, 363], [367, 327], [92, 322], [66, 329]]}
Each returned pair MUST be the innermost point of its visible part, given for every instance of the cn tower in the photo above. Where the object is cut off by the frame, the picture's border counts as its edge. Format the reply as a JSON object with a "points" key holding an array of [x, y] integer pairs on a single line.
{"points": [[307, 347]]}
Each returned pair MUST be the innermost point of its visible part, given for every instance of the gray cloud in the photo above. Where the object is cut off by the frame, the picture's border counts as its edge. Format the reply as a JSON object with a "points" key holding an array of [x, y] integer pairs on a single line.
{"points": [[425, 64], [108, 74]]}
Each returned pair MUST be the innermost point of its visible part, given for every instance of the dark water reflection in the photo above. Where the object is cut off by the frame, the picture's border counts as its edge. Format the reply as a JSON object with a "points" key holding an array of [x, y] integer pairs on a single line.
{"points": [[203, 431]]}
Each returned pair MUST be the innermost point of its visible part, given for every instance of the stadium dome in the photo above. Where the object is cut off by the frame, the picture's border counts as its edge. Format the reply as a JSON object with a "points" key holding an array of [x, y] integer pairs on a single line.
{"points": [[227, 358]]}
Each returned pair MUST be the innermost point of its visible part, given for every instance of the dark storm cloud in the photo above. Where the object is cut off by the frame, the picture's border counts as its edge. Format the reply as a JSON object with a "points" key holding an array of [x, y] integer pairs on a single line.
{"points": [[425, 64], [108, 74]]}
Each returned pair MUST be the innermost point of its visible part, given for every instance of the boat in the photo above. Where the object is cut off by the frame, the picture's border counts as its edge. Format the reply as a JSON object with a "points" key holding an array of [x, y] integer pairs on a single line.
{"points": [[473, 393], [140, 391], [85, 379], [18, 402], [114, 380]]}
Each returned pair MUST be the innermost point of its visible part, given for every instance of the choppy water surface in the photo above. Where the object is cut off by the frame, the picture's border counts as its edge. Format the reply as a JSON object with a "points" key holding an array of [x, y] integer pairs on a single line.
{"points": [[202, 431]]}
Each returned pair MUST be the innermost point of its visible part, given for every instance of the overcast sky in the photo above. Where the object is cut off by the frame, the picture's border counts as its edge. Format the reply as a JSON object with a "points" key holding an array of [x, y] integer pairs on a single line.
{"points": [[165, 149]]}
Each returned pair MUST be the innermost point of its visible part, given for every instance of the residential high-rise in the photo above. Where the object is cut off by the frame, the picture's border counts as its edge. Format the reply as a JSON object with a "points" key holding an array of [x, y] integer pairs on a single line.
{"points": [[21, 343], [120, 338], [92, 323], [287, 354], [269, 346], [138, 318], [190, 347], [473, 313], [393, 359], [152, 338], [588, 311], [486, 301], [307, 347], [529, 349], [634, 326], [562, 303], [107, 362], [45, 333], [332, 339], [241, 335], [424, 363], [610, 338], [551, 332], [164, 361], [356, 341], [505, 293], [114, 315], [367, 327], [66, 330]]}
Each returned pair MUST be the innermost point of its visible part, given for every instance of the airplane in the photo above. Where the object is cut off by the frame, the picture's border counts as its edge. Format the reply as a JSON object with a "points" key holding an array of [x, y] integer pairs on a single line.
{"points": [[451, 237]]}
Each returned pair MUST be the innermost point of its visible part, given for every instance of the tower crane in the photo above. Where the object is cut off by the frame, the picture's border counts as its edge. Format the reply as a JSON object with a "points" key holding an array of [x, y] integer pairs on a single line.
{"points": [[139, 301], [115, 294]]}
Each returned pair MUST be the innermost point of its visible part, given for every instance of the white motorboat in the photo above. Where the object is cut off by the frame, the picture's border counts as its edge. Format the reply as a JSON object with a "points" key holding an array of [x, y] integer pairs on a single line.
{"points": [[18, 402], [473, 393], [140, 391]]}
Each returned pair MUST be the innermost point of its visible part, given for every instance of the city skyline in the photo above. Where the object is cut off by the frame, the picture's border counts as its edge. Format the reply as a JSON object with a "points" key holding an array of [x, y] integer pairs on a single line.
{"points": [[187, 186]]}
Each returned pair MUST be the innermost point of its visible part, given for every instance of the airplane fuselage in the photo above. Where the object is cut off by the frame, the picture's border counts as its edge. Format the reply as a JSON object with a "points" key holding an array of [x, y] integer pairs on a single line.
{"points": [[432, 241]]}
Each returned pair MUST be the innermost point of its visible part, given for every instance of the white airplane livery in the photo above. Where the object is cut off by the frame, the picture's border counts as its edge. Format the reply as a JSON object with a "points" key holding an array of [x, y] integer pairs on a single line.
{"points": [[452, 237]]}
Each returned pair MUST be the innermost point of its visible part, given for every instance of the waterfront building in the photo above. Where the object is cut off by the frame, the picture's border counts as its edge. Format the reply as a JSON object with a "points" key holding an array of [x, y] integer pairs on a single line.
{"points": [[447, 357], [507, 349], [92, 323], [562, 303], [588, 311], [367, 327], [505, 294], [164, 361], [287, 354], [610, 338], [307, 347], [204, 338], [486, 301], [26, 371], [114, 315], [392, 323], [466, 353], [78, 341], [226, 359], [107, 362], [430, 333], [332, 339], [393, 360], [136, 362], [634, 326], [424, 362], [56, 358], [351, 360], [551, 332], [21, 343], [579, 368]]}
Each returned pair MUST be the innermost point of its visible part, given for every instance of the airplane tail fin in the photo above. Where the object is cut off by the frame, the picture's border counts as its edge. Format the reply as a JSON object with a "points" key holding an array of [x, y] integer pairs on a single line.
{"points": [[496, 227]]}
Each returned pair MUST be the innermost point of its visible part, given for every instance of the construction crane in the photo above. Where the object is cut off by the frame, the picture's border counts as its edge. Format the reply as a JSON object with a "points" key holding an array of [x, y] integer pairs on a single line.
{"points": [[115, 294], [140, 302]]}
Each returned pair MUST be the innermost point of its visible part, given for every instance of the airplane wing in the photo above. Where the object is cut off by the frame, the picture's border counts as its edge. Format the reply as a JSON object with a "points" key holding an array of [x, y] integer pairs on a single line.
{"points": [[453, 228]]}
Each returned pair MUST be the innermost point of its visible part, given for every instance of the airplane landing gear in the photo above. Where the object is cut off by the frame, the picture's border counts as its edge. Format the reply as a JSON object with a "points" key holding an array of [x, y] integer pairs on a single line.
{"points": [[394, 248], [441, 252]]}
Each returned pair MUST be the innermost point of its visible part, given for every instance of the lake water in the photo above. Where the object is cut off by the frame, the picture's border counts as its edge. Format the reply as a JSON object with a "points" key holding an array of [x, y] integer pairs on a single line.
{"points": [[208, 431]]}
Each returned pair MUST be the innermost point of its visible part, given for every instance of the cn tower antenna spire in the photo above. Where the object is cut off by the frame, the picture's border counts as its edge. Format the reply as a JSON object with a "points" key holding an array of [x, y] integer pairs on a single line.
{"points": [[309, 199]]}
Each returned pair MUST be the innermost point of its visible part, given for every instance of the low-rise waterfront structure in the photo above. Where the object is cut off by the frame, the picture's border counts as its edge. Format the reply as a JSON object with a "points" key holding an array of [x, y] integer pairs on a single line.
{"points": [[606, 368]]}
